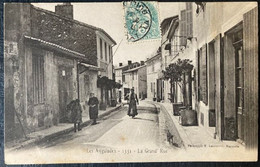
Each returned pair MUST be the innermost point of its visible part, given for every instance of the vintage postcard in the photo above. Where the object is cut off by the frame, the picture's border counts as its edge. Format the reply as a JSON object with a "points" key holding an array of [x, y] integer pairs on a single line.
{"points": [[133, 81]]}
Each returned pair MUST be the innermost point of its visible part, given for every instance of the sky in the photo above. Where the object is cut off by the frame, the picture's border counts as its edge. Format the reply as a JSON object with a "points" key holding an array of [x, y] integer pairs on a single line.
{"points": [[109, 16]]}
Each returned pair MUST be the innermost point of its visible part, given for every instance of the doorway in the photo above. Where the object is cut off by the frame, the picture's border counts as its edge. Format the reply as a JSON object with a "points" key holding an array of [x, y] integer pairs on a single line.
{"points": [[65, 91], [239, 72]]}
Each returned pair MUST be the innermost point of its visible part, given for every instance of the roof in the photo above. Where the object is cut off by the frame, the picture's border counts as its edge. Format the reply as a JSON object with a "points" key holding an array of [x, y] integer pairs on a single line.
{"points": [[157, 55], [37, 41], [167, 20], [174, 24], [120, 67], [134, 69], [77, 22], [92, 67]]}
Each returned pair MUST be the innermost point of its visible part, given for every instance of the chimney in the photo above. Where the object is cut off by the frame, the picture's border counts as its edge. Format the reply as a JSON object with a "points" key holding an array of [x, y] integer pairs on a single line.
{"points": [[142, 63], [66, 10], [120, 64], [129, 62]]}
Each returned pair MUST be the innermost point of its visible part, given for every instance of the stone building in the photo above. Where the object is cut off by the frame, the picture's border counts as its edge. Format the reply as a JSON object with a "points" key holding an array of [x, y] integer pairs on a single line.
{"points": [[154, 80], [50, 59], [227, 65], [221, 40], [136, 77], [120, 78], [167, 52]]}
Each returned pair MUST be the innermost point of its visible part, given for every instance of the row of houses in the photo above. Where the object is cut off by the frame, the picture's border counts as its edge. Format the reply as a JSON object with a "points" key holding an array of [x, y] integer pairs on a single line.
{"points": [[132, 75], [51, 59], [221, 40]]}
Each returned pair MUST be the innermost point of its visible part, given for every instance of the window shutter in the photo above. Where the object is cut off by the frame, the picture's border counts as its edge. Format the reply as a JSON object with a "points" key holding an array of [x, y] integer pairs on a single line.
{"points": [[183, 28], [189, 25], [250, 44], [203, 90]]}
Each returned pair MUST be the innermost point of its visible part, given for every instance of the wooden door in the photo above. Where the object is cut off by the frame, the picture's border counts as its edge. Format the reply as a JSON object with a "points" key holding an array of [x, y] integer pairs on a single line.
{"points": [[212, 84], [65, 91], [251, 68]]}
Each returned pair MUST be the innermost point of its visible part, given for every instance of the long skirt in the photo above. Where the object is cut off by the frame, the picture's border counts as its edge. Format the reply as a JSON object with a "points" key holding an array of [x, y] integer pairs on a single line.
{"points": [[93, 112], [132, 110]]}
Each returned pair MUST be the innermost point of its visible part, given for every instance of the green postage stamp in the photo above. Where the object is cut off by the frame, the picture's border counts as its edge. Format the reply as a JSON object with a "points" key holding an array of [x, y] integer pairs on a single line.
{"points": [[141, 20]]}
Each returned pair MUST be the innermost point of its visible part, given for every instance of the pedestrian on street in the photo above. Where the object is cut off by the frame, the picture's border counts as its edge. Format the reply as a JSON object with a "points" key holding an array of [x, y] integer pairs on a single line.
{"points": [[133, 101], [93, 108], [76, 114]]}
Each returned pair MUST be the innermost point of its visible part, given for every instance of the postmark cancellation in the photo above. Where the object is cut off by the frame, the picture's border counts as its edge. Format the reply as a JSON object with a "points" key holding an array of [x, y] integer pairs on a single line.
{"points": [[141, 20]]}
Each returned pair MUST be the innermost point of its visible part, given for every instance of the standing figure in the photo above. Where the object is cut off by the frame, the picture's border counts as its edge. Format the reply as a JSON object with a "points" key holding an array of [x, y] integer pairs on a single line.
{"points": [[76, 115], [93, 108], [133, 100]]}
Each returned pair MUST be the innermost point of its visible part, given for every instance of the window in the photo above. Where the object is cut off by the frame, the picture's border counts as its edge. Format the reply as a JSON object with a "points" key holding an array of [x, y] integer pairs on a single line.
{"points": [[101, 53], [189, 29], [106, 51], [38, 78], [133, 74], [123, 78]]}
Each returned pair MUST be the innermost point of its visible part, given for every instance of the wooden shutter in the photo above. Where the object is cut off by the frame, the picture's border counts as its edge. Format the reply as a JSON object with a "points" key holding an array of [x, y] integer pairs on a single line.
{"points": [[218, 85], [183, 28], [189, 25], [198, 76], [250, 44], [229, 88], [203, 75]]}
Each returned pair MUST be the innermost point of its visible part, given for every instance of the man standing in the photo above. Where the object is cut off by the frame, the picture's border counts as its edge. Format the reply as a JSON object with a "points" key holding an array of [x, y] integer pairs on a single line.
{"points": [[133, 100], [93, 108]]}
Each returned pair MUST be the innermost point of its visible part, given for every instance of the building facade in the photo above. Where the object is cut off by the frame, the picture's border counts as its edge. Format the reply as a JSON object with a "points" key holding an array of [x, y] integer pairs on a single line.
{"points": [[167, 53], [154, 82], [136, 77], [120, 78], [223, 83], [227, 60], [50, 59]]}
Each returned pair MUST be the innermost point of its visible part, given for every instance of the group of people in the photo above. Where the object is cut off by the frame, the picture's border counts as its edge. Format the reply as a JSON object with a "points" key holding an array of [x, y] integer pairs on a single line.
{"points": [[76, 111]]}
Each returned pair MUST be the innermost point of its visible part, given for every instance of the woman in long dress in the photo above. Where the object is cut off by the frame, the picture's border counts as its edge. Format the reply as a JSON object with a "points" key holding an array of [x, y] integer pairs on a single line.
{"points": [[133, 101]]}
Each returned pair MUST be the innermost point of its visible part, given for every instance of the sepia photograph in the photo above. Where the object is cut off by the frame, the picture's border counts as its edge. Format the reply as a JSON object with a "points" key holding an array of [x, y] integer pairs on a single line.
{"points": [[131, 81]]}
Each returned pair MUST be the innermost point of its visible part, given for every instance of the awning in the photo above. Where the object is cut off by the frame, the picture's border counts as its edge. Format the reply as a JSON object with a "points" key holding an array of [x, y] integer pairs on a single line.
{"points": [[92, 67]]}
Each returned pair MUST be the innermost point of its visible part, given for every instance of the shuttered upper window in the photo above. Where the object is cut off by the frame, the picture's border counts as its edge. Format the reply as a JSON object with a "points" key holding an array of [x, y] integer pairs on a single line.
{"points": [[183, 28], [189, 26]]}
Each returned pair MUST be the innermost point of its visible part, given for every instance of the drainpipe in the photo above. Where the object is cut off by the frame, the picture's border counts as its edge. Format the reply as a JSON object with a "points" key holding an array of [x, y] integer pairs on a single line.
{"points": [[78, 63]]}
